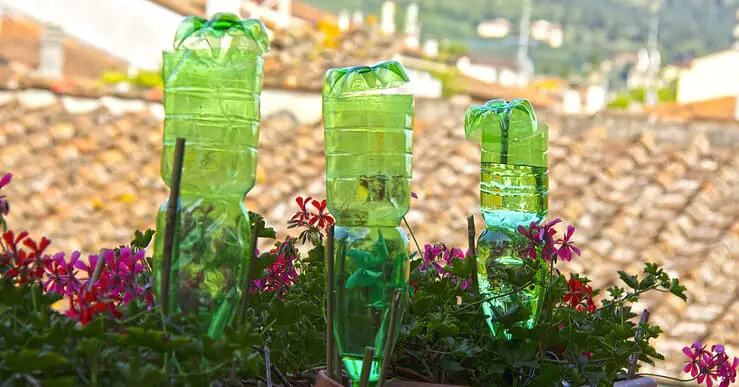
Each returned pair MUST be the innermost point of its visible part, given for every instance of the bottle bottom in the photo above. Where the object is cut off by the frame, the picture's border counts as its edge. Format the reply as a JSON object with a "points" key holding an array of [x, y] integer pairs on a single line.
{"points": [[509, 282]]}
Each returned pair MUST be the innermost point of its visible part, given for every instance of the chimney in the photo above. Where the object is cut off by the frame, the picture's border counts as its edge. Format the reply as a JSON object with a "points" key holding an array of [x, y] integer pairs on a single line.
{"points": [[431, 48], [284, 7], [387, 18], [412, 29], [213, 7], [51, 64], [357, 19], [344, 20]]}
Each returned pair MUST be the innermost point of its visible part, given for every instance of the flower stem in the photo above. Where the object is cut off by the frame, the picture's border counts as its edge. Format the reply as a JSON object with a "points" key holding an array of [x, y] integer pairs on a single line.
{"points": [[413, 236], [668, 377]]}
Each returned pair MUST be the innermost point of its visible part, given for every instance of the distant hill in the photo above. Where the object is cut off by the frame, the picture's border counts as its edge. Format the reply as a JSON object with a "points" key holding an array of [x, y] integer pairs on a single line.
{"points": [[594, 29]]}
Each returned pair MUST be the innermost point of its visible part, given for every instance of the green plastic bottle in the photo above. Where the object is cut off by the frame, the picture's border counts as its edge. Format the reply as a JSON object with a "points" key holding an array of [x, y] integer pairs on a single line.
{"points": [[513, 192], [368, 132], [212, 82]]}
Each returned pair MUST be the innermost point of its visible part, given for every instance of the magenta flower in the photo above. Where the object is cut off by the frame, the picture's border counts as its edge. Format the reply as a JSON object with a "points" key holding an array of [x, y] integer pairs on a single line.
{"points": [[62, 276], [566, 247], [4, 206], [708, 366], [431, 254], [89, 269], [693, 353]]}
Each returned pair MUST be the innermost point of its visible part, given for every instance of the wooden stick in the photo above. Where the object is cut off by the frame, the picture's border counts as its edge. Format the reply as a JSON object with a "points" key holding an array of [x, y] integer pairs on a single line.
{"points": [[473, 253], [281, 376], [338, 374], [267, 364], [639, 331], [330, 357], [97, 271], [369, 354], [253, 239], [388, 350], [171, 225]]}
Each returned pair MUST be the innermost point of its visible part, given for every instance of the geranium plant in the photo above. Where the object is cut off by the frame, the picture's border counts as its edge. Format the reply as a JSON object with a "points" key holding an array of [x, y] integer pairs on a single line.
{"points": [[69, 320]]}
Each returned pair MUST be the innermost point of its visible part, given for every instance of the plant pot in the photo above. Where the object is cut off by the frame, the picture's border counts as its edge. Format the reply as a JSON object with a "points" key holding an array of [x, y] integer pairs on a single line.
{"points": [[638, 382], [324, 381]]}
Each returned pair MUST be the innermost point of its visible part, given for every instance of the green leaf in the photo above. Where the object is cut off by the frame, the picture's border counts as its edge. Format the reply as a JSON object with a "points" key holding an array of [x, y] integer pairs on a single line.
{"points": [[630, 280], [451, 365], [363, 278], [150, 375], [29, 360], [257, 221], [142, 240], [315, 255], [461, 268], [363, 259], [381, 250], [61, 381], [679, 290], [262, 263]]}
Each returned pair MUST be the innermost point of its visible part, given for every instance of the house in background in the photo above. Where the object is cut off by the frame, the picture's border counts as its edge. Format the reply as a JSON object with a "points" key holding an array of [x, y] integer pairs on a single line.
{"points": [[710, 77], [490, 70], [494, 29]]}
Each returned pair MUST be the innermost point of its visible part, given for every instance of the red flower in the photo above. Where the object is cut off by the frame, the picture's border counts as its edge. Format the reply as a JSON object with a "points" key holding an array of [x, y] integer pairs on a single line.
{"points": [[574, 296], [24, 265], [322, 219], [588, 355], [579, 296], [303, 214]]}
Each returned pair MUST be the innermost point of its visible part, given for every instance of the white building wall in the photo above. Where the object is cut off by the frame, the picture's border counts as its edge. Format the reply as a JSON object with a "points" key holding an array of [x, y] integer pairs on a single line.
{"points": [[487, 74], [710, 77], [135, 31]]}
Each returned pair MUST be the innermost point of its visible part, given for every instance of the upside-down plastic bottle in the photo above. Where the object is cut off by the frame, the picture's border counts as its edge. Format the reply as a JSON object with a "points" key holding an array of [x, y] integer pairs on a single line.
{"points": [[368, 132], [513, 192], [212, 83]]}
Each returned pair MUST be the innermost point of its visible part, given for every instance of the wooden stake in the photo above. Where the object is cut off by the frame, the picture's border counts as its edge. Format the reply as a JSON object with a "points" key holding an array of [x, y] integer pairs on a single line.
{"points": [[369, 354], [253, 239], [639, 331], [171, 225], [390, 334], [330, 344], [473, 253]]}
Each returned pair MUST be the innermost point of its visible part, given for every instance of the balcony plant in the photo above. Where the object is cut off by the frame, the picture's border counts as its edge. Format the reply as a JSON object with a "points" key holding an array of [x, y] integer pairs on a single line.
{"points": [[109, 333]]}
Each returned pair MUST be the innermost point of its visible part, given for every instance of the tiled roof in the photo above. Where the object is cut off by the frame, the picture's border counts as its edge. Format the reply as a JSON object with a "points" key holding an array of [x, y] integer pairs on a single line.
{"points": [[714, 109], [19, 43], [87, 175]]}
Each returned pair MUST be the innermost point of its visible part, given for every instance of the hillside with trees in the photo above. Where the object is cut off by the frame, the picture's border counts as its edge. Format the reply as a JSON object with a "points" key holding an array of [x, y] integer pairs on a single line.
{"points": [[594, 30]]}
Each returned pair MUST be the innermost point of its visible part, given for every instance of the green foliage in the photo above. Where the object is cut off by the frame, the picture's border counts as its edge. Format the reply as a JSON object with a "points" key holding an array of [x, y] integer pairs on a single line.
{"points": [[40, 346], [592, 28], [145, 79], [445, 339]]}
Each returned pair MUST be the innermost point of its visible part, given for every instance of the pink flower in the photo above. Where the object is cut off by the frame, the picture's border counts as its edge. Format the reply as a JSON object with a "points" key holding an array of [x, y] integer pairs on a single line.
{"points": [[693, 353], [708, 366], [566, 247], [4, 206], [61, 275], [540, 240]]}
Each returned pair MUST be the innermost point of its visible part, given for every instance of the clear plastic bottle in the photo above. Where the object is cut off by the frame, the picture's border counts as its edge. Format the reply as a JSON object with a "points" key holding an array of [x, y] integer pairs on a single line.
{"points": [[212, 83], [513, 192], [368, 132]]}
